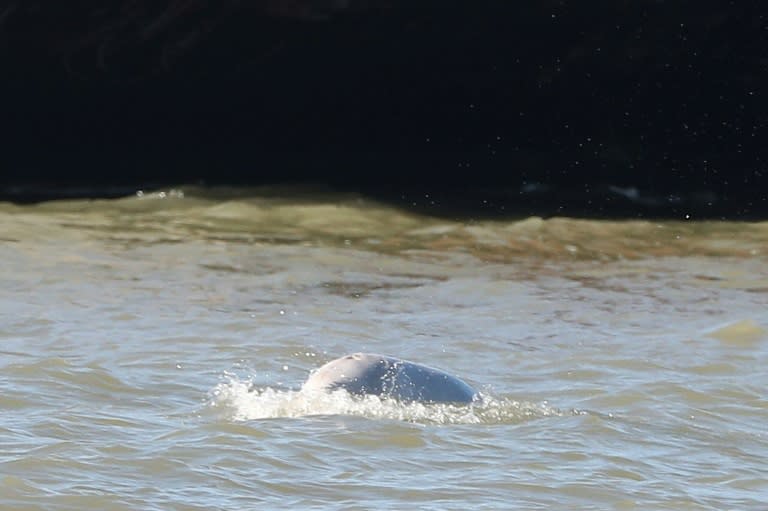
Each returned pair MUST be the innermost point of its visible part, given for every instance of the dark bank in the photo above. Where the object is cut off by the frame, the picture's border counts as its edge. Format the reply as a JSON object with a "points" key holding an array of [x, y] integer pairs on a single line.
{"points": [[611, 108]]}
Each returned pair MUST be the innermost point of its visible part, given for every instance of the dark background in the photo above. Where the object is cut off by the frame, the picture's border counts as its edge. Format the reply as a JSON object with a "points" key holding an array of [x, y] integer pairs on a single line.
{"points": [[619, 108]]}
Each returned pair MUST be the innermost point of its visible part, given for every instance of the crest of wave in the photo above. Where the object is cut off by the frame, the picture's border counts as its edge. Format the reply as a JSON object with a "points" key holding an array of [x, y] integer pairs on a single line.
{"points": [[239, 400]]}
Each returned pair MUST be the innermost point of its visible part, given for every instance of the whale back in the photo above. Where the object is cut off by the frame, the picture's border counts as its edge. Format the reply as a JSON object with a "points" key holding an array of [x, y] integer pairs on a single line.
{"points": [[368, 373], [358, 374]]}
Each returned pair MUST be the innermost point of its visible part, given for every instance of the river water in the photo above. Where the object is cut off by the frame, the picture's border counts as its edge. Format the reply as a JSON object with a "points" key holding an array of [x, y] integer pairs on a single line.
{"points": [[152, 350]]}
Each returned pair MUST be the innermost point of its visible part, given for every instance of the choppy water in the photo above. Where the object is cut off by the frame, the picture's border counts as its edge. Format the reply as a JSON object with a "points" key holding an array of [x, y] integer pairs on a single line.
{"points": [[152, 349]]}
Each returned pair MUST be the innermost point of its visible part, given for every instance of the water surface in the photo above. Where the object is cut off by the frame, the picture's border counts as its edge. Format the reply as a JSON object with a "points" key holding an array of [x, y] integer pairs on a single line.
{"points": [[152, 350]]}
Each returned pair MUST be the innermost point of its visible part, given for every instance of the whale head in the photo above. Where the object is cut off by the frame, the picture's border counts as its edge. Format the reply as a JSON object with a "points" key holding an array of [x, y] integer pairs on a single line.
{"points": [[372, 374]]}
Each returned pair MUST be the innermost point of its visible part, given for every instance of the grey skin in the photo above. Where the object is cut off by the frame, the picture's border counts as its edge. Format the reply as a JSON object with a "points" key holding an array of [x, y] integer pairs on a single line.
{"points": [[368, 373]]}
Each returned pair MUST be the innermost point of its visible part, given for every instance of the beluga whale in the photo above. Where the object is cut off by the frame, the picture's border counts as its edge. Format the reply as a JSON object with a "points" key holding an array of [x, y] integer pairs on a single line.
{"points": [[363, 374]]}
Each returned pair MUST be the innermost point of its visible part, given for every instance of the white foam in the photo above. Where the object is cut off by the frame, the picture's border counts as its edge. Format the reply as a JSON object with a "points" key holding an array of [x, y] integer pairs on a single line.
{"points": [[237, 400]]}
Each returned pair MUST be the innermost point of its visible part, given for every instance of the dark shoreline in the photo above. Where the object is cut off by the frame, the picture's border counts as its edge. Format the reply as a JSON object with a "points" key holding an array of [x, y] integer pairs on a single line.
{"points": [[619, 108]]}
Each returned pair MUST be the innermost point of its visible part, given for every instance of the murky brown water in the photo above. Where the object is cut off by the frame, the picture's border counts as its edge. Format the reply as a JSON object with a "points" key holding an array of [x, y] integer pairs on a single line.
{"points": [[152, 349]]}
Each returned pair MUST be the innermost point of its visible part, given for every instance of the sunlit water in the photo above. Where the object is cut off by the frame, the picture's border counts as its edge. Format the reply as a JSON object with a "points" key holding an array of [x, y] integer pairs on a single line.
{"points": [[152, 351]]}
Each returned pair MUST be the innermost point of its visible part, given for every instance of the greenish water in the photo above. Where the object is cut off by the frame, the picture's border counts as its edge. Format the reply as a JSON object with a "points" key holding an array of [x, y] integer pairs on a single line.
{"points": [[152, 349]]}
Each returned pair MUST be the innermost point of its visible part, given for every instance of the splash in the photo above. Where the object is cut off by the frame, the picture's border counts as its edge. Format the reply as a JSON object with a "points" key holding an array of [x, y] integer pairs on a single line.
{"points": [[238, 400]]}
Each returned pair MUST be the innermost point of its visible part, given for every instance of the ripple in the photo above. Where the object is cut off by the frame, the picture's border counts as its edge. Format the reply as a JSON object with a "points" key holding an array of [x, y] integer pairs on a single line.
{"points": [[745, 333]]}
